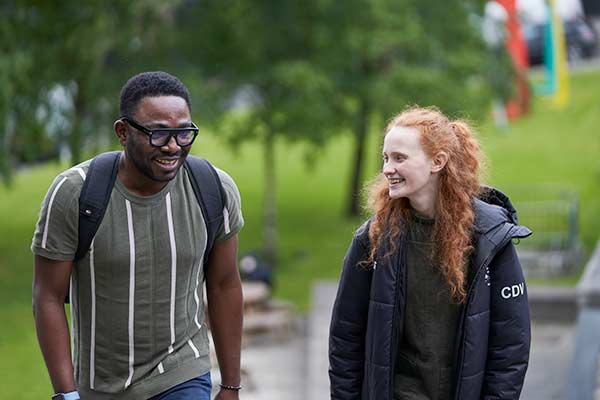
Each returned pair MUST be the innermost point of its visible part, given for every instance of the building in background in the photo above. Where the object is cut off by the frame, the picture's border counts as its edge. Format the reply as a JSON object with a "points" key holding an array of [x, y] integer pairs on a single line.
{"points": [[535, 10], [578, 25], [591, 9]]}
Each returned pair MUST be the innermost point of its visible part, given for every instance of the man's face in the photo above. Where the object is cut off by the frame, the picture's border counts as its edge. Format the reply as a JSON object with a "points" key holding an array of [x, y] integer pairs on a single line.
{"points": [[158, 163]]}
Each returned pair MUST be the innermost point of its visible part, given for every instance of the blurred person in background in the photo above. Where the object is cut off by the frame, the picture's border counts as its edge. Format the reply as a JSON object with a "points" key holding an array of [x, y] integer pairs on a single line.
{"points": [[432, 302], [138, 322]]}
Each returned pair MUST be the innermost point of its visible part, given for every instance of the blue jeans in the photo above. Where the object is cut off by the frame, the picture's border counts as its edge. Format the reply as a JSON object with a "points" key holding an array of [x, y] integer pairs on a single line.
{"points": [[195, 389]]}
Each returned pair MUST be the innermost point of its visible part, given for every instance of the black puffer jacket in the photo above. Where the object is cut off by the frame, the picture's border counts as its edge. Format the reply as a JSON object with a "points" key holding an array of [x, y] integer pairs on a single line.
{"points": [[492, 349]]}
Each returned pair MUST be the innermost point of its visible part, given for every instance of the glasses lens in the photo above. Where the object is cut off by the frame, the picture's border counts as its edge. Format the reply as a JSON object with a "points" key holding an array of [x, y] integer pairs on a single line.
{"points": [[184, 137], [160, 137]]}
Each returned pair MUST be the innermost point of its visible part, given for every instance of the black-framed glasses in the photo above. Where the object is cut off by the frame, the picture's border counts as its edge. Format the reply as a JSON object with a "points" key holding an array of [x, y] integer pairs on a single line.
{"points": [[161, 136]]}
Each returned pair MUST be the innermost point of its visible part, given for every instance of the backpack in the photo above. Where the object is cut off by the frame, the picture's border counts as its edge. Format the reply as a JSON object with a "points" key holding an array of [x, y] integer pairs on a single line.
{"points": [[99, 183]]}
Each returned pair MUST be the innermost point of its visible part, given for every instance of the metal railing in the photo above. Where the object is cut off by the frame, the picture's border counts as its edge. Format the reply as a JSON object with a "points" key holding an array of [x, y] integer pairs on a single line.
{"points": [[552, 213]]}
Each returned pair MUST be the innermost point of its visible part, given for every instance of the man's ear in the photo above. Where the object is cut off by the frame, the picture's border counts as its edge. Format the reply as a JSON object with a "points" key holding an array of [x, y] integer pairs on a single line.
{"points": [[439, 162], [121, 131]]}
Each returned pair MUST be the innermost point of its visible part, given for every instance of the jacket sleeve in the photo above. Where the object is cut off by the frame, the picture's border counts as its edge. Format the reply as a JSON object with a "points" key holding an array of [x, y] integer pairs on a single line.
{"points": [[348, 325], [510, 333]]}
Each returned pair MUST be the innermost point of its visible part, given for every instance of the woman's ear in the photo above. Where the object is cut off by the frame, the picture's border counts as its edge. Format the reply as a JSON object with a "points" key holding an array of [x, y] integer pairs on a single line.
{"points": [[439, 162]]}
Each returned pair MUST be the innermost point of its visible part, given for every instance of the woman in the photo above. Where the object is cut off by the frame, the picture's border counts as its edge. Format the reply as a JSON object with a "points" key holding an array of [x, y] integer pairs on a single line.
{"points": [[432, 301]]}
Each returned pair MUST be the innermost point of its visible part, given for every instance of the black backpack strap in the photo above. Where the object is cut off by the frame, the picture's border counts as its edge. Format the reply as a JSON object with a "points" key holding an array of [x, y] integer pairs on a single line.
{"points": [[94, 198], [211, 198]]}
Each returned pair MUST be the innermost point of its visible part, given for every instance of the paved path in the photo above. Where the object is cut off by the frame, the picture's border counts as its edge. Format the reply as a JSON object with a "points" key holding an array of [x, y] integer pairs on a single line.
{"points": [[275, 371], [323, 295], [273, 366], [296, 368], [551, 354]]}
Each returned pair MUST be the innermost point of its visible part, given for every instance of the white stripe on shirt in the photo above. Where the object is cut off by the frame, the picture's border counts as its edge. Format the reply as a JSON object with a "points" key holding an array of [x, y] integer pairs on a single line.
{"points": [[196, 297], [45, 235], [93, 317], [173, 269], [80, 171], [131, 289], [226, 220], [196, 353]]}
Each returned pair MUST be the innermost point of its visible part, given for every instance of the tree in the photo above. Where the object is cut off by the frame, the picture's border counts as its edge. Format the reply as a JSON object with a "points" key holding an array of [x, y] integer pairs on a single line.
{"points": [[85, 48], [92, 47], [256, 61], [291, 69], [16, 72], [386, 54]]}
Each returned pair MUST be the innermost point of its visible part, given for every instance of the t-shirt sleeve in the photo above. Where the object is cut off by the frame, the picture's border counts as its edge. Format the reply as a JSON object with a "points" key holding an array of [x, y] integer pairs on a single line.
{"points": [[56, 233], [233, 220]]}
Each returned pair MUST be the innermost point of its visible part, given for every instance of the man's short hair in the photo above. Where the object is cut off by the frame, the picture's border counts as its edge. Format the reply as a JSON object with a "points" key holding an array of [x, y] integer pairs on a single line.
{"points": [[150, 84]]}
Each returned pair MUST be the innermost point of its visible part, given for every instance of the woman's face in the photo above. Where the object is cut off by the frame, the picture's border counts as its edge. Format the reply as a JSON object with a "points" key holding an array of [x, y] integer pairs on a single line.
{"points": [[410, 173]]}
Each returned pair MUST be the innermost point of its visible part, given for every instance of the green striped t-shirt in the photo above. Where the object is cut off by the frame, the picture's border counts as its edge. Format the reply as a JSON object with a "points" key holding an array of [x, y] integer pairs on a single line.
{"points": [[137, 296]]}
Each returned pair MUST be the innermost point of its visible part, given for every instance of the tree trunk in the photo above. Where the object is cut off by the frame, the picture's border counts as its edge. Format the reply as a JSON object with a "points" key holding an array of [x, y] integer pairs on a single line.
{"points": [[270, 204], [360, 135], [6, 135]]}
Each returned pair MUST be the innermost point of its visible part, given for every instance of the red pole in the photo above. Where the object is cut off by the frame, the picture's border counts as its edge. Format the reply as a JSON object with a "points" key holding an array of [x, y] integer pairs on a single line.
{"points": [[517, 48]]}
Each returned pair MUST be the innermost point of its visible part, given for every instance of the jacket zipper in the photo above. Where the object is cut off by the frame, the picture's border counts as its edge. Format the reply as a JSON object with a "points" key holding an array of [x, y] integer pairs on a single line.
{"points": [[395, 321], [460, 356], [461, 341]]}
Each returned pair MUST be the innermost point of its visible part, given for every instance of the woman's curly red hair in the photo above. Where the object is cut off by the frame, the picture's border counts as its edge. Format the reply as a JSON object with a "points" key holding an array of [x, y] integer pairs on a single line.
{"points": [[458, 186]]}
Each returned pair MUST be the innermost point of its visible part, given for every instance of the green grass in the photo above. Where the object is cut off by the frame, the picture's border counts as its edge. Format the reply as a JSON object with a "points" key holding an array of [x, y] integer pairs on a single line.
{"points": [[553, 147], [557, 148], [570, 280]]}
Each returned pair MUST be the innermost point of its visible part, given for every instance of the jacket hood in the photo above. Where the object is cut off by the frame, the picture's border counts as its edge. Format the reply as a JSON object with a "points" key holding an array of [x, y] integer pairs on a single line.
{"points": [[494, 208]]}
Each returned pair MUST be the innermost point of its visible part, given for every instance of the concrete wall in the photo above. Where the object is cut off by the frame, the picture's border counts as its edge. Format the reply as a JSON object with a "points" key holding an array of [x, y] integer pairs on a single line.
{"points": [[583, 382]]}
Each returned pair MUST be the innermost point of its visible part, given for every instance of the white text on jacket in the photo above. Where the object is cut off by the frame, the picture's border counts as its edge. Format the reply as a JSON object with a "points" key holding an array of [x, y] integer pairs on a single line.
{"points": [[513, 291]]}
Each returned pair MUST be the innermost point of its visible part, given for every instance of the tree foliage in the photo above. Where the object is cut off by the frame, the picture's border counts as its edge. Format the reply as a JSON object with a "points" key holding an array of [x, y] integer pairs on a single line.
{"points": [[17, 77], [386, 54], [257, 60], [77, 53], [261, 70]]}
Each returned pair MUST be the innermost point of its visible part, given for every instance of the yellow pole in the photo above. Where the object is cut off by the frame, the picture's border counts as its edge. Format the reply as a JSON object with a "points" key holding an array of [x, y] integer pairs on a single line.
{"points": [[561, 97]]}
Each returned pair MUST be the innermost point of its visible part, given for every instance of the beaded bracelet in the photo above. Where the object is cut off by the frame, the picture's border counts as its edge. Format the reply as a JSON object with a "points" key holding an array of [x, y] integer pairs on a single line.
{"points": [[229, 387]]}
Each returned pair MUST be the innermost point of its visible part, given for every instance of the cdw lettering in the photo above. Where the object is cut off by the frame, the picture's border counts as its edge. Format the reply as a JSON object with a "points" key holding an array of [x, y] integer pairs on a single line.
{"points": [[513, 291]]}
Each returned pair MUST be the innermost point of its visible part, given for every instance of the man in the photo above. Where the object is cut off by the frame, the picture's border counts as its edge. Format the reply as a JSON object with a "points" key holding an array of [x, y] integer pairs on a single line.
{"points": [[136, 296]]}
